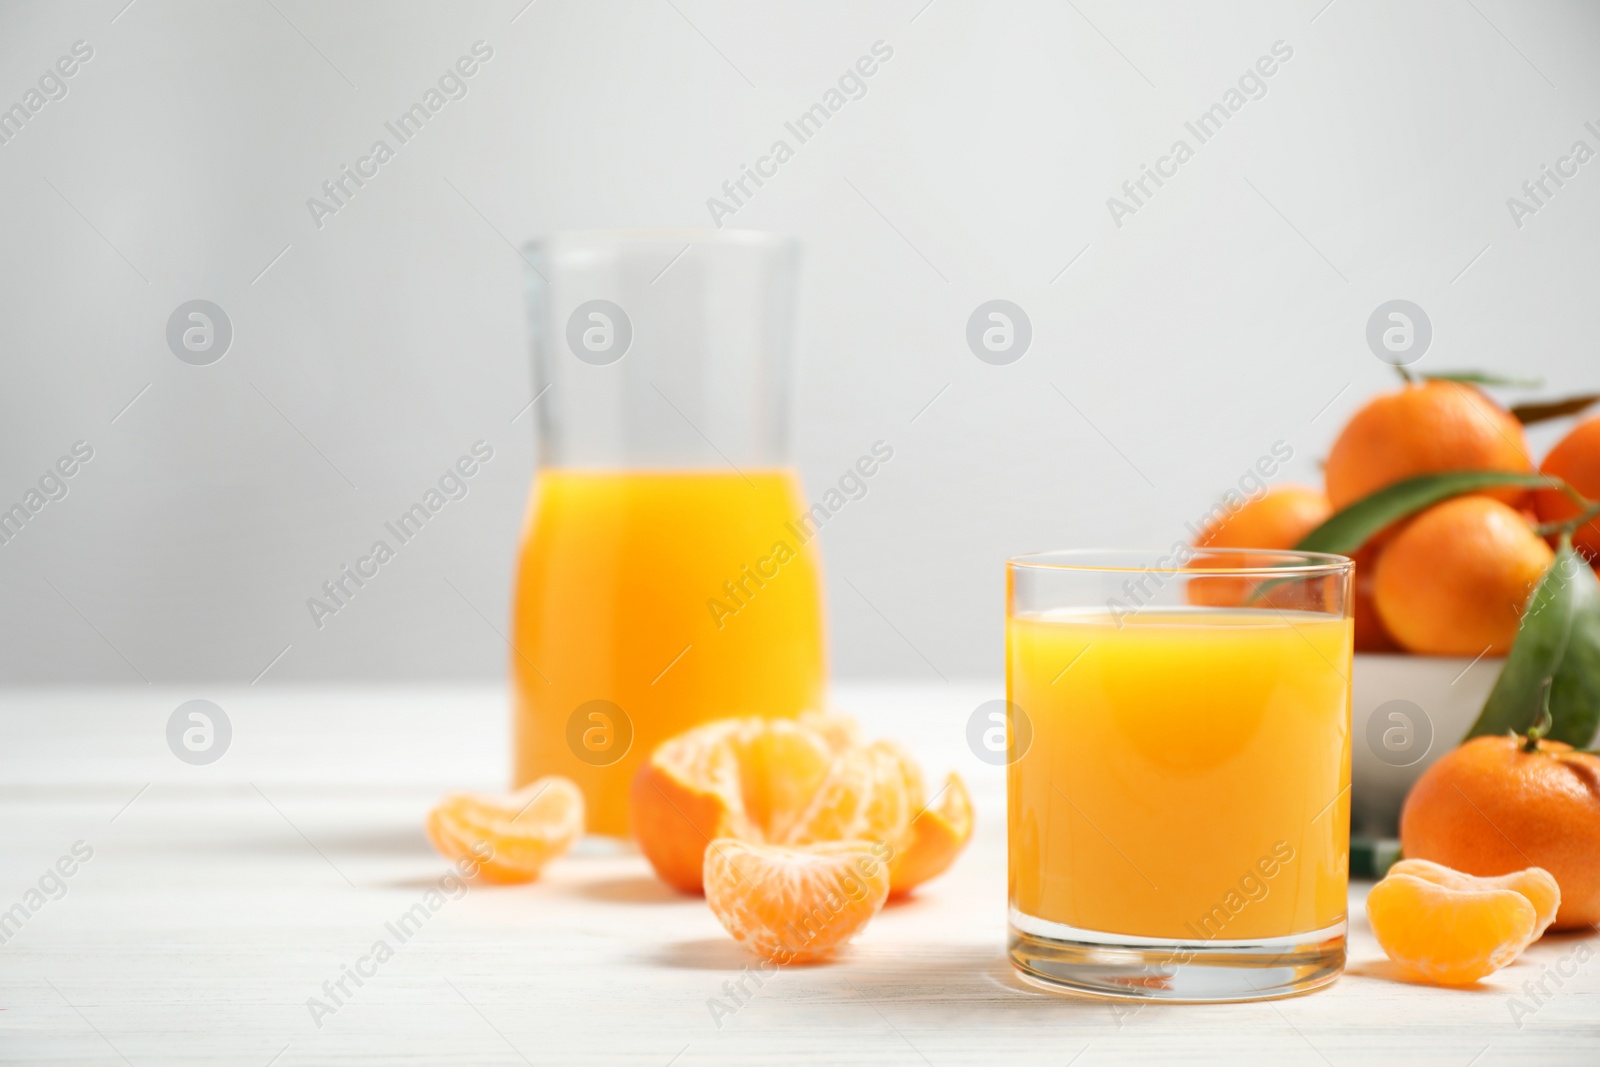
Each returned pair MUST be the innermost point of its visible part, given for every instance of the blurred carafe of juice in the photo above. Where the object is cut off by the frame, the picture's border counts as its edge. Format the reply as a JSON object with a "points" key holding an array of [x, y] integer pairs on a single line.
{"points": [[665, 579]]}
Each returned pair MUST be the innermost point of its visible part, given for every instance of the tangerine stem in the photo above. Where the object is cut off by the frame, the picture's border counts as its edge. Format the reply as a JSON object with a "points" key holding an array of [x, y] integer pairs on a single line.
{"points": [[1544, 722], [1591, 511]]}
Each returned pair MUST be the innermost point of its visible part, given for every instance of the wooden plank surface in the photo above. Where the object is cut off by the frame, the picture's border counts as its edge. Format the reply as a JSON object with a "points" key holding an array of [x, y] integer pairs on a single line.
{"points": [[219, 899]]}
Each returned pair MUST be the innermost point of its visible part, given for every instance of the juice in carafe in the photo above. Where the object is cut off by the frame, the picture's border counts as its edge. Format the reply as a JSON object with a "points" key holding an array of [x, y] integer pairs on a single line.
{"points": [[648, 602]]}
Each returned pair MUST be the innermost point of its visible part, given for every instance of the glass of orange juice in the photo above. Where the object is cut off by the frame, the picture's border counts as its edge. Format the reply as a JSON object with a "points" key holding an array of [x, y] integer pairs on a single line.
{"points": [[668, 574], [1179, 771]]}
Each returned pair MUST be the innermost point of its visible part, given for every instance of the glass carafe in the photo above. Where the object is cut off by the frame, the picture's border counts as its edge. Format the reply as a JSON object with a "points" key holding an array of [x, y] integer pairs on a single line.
{"points": [[667, 575]]}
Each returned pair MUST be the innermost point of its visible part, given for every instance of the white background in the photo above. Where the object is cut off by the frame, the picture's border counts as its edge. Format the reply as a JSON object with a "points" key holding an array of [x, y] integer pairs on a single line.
{"points": [[1227, 314]]}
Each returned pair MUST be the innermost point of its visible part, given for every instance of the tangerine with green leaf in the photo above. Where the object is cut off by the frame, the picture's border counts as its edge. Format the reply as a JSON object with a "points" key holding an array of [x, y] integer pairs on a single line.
{"points": [[1503, 803], [1424, 428]]}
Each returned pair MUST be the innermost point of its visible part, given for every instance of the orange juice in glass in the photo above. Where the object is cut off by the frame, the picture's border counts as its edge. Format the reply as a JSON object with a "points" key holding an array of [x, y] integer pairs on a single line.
{"points": [[666, 577], [1178, 791]]}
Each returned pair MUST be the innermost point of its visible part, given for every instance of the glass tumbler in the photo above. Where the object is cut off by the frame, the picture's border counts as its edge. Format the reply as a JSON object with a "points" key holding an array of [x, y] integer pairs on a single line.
{"points": [[1179, 778], [662, 582]]}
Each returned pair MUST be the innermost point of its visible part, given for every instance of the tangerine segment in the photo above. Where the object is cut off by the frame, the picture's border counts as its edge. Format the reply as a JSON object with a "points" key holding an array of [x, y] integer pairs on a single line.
{"points": [[510, 838], [841, 730], [1535, 883], [781, 766], [869, 794], [938, 835], [1448, 936], [794, 905]]}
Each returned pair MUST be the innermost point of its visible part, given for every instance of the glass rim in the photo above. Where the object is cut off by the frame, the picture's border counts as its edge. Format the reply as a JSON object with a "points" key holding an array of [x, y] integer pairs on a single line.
{"points": [[729, 238], [1290, 562]]}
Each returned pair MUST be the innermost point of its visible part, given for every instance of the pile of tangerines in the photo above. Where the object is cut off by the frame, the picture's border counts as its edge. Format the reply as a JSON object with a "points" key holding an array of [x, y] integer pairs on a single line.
{"points": [[1502, 834], [1452, 580]]}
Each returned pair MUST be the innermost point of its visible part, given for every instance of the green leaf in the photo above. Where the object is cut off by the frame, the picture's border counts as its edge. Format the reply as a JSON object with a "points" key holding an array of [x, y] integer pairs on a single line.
{"points": [[1575, 693], [1478, 377], [1559, 639], [1347, 530], [1553, 409]]}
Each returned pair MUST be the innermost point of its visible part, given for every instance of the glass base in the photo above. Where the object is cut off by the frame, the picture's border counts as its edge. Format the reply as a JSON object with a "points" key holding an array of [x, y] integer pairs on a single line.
{"points": [[1065, 959]]}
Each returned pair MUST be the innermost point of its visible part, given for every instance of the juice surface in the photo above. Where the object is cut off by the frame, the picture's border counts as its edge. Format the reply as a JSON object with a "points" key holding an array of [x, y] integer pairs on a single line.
{"points": [[621, 597], [1188, 775]]}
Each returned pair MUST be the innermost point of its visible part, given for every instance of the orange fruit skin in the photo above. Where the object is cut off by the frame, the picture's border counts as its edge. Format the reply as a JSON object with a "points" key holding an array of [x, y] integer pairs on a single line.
{"points": [[1278, 518], [794, 905], [687, 793], [1446, 935], [508, 839], [790, 782], [1371, 635], [1488, 808], [1454, 580], [1535, 883], [673, 822], [1576, 460], [938, 835], [1424, 428]]}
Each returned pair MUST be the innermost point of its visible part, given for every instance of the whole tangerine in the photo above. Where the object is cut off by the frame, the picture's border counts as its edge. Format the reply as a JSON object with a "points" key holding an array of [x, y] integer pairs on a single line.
{"points": [[1371, 635], [1278, 518], [1424, 428], [1576, 460], [1454, 580], [1499, 804]]}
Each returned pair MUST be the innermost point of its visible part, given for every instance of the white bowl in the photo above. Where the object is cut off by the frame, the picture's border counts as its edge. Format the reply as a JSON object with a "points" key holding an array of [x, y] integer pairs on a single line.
{"points": [[1407, 711]]}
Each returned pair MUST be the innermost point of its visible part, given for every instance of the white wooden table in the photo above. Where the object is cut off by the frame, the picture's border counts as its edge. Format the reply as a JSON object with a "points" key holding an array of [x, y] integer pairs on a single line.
{"points": [[220, 898]]}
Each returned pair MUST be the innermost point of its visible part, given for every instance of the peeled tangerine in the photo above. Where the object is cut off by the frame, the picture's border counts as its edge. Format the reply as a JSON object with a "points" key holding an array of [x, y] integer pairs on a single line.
{"points": [[938, 835], [1449, 928], [793, 782], [794, 905], [509, 838]]}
